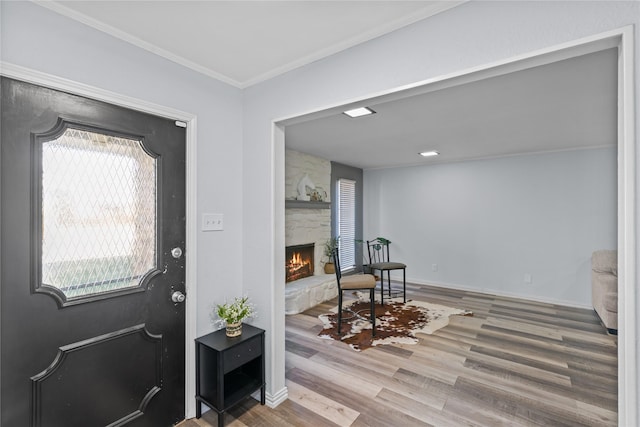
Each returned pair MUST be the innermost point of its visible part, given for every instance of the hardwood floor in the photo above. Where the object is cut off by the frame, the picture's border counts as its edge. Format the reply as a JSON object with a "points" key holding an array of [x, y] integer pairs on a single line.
{"points": [[514, 363]]}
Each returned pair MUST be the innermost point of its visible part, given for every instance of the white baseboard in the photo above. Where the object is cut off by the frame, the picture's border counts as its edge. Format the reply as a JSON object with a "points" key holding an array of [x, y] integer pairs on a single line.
{"points": [[273, 400], [498, 293]]}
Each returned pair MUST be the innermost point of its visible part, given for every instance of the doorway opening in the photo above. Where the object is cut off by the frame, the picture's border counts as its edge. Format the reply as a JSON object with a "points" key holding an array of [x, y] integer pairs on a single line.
{"points": [[622, 40]]}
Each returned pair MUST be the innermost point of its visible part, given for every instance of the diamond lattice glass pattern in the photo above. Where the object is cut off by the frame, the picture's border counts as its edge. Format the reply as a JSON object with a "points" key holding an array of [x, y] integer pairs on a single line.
{"points": [[98, 213]]}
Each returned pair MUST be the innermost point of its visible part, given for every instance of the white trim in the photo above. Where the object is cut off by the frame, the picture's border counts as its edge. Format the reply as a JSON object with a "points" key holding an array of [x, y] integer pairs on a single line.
{"points": [[388, 27], [277, 335], [273, 400], [58, 83], [520, 62], [124, 36], [381, 30], [54, 82], [498, 156], [627, 239], [191, 266], [486, 291], [627, 296]]}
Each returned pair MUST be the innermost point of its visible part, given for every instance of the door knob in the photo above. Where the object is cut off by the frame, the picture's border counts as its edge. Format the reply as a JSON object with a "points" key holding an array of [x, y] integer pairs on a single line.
{"points": [[177, 297], [176, 252]]}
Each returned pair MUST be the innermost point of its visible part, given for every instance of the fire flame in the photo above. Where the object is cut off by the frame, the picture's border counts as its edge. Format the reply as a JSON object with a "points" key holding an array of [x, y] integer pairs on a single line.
{"points": [[299, 265], [296, 262]]}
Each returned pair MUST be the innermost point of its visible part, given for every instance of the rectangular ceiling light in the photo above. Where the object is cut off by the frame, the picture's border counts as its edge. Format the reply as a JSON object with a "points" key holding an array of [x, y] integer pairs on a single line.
{"points": [[429, 153], [359, 112]]}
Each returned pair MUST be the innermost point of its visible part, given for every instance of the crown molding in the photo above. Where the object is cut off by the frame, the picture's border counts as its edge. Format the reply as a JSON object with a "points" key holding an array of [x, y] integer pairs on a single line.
{"points": [[426, 12]]}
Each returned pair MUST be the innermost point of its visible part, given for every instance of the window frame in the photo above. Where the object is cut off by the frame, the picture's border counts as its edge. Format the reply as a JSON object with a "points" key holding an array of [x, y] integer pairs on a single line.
{"points": [[37, 285], [347, 241]]}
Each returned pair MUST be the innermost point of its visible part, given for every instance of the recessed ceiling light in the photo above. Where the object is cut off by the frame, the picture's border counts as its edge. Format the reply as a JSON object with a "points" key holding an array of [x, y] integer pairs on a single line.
{"points": [[359, 112], [429, 153]]}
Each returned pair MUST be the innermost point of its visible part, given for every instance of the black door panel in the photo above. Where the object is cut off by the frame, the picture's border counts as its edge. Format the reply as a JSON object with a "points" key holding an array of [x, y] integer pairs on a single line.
{"points": [[114, 359]]}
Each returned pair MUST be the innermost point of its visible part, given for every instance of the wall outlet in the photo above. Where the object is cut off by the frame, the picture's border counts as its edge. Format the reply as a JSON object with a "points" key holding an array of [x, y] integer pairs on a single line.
{"points": [[434, 267], [212, 222], [528, 279]]}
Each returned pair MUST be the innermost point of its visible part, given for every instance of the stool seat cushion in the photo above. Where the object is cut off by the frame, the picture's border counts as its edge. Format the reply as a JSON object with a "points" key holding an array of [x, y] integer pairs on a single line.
{"points": [[358, 281], [387, 265]]}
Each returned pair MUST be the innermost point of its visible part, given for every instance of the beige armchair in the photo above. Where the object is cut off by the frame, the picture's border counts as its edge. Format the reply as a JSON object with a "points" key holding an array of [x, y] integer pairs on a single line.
{"points": [[604, 287]]}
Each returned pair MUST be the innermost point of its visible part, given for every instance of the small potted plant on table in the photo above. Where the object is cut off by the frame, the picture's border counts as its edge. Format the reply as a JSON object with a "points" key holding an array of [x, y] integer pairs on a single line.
{"points": [[330, 246], [234, 313]]}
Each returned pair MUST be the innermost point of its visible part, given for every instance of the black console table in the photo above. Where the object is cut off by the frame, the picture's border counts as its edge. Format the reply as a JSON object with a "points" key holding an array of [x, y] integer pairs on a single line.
{"points": [[229, 369]]}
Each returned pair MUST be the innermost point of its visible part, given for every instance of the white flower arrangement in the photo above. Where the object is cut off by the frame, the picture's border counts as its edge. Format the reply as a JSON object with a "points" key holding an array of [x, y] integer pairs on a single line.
{"points": [[236, 311]]}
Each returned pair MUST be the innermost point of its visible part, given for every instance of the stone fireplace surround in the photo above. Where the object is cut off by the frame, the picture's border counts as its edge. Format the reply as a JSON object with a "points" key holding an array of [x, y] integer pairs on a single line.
{"points": [[308, 224]]}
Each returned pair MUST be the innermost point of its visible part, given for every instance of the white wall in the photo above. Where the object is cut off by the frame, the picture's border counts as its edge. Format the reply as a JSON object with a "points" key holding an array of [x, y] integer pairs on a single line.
{"points": [[42, 40], [470, 35], [235, 134], [487, 223]]}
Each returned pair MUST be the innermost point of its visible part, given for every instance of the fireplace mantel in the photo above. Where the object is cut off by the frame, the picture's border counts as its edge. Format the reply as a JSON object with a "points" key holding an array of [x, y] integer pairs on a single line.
{"points": [[301, 204]]}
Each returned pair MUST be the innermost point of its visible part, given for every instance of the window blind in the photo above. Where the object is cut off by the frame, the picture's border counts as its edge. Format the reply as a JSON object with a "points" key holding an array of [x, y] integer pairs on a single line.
{"points": [[347, 223]]}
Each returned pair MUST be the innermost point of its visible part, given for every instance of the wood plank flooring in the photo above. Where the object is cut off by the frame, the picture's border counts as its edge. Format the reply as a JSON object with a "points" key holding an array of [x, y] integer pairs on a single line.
{"points": [[514, 363]]}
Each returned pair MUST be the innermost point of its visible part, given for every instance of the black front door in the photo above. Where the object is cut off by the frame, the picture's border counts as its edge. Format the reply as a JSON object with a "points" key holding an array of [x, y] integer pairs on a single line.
{"points": [[93, 207]]}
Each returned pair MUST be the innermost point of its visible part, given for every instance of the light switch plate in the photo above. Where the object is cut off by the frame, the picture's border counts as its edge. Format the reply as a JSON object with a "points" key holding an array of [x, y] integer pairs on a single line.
{"points": [[212, 222]]}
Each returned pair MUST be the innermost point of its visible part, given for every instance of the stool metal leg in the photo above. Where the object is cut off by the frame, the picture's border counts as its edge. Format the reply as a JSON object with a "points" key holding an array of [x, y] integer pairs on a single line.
{"points": [[372, 296], [404, 284], [381, 287], [340, 313]]}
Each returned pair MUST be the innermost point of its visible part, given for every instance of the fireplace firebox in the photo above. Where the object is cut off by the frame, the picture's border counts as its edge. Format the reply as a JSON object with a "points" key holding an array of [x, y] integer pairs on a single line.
{"points": [[299, 261]]}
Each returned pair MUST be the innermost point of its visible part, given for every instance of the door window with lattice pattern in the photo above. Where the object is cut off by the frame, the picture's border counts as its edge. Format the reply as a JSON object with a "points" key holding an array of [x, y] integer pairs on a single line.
{"points": [[98, 213]]}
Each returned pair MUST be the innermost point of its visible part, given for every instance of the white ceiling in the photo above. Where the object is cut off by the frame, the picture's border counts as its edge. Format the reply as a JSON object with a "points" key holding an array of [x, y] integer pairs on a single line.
{"points": [[563, 105], [245, 42], [569, 104]]}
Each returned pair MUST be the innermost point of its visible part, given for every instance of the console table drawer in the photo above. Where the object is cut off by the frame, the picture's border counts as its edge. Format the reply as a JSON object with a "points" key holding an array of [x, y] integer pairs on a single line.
{"points": [[239, 355]]}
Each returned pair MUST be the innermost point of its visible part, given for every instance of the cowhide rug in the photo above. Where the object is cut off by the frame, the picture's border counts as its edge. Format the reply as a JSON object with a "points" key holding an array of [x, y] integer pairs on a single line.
{"points": [[396, 322]]}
